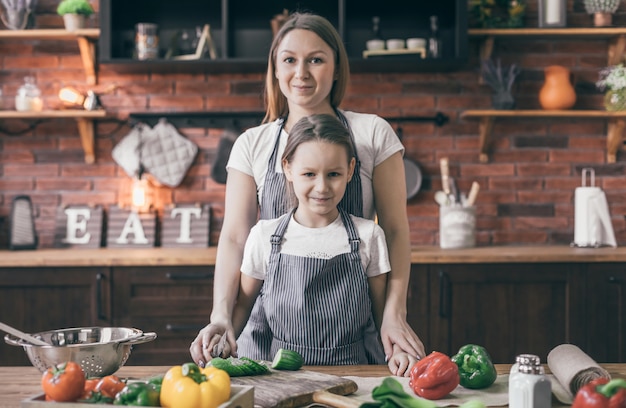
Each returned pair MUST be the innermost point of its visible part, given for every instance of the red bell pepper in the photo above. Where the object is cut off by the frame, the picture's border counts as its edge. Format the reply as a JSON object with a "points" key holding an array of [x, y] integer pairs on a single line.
{"points": [[601, 393], [434, 376]]}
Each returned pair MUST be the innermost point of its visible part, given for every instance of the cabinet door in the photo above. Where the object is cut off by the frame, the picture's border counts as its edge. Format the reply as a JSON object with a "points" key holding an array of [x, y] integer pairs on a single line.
{"points": [[417, 302], [606, 312], [40, 299], [508, 308], [173, 301]]}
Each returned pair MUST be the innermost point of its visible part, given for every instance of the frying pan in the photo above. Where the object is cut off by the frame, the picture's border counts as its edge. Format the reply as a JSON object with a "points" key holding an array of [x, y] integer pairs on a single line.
{"points": [[413, 176]]}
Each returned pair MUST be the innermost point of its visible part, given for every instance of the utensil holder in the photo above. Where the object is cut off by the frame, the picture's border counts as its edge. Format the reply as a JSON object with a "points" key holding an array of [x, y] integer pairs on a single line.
{"points": [[457, 226]]}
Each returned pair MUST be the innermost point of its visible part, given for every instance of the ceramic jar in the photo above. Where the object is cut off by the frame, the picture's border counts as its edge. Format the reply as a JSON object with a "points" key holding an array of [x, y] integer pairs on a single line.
{"points": [[557, 91]]}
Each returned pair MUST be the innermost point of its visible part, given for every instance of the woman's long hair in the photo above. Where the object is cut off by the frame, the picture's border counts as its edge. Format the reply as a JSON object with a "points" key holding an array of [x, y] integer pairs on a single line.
{"points": [[275, 102]]}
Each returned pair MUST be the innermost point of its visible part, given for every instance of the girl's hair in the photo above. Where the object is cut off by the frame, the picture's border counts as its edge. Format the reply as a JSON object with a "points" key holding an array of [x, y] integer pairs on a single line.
{"points": [[275, 101], [321, 128]]}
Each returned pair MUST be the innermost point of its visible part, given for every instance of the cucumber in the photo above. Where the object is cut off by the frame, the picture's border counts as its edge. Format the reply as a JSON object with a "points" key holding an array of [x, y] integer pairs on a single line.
{"points": [[239, 367], [287, 360]]}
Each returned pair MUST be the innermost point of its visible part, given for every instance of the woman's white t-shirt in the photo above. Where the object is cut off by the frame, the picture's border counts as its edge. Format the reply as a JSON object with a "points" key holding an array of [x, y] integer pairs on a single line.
{"points": [[374, 138], [324, 243]]}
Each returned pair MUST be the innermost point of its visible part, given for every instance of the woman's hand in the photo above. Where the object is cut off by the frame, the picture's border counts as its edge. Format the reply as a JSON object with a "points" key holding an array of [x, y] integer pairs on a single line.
{"points": [[396, 332], [400, 363], [214, 340]]}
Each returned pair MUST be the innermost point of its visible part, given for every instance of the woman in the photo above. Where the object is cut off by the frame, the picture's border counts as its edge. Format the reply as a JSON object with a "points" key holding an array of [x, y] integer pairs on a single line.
{"points": [[308, 74]]}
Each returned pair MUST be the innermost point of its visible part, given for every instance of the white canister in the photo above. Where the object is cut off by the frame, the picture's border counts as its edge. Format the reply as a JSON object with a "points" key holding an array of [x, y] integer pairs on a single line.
{"points": [[457, 226]]}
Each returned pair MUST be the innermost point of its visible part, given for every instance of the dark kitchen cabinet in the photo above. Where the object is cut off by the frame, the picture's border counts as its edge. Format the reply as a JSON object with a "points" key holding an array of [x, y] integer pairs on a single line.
{"points": [[508, 308], [242, 34], [606, 314], [173, 301], [41, 299]]}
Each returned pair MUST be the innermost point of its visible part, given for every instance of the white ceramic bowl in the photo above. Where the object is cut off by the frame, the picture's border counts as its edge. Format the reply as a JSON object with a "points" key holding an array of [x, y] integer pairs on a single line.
{"points": [[375, 45], [395, 44], [413, 43]]}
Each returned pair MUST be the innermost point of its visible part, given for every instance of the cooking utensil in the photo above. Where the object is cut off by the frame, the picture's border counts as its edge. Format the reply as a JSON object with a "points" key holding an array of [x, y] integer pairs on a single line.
{"points": [[100, 351], [441, 198], [445, 174], [454, 192], [471, 198], [21, 335], [413, 178]]}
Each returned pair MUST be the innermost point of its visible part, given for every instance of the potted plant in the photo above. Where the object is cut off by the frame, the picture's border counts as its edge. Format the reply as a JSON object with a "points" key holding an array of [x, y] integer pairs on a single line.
{"points": [[501, 81], [602, 11], [613, 82], [74, 13]]}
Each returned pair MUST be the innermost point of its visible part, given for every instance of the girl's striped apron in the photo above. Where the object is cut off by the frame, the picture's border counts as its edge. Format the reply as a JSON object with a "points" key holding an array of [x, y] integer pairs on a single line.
{"points": [[275, 203], [320, 307]]}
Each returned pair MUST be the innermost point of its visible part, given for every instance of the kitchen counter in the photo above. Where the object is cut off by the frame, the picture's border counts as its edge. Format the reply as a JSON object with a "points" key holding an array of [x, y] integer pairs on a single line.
{"points": [[206, 256], [19, 383]]}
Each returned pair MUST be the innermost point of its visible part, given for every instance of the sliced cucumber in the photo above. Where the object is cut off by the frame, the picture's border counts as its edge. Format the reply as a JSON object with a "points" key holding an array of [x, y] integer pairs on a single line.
{"points": [[287, 360], [238, 367]]}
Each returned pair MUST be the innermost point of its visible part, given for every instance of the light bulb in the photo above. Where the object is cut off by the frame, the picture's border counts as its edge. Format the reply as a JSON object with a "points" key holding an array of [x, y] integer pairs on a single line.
{"points": [[138, 194]]}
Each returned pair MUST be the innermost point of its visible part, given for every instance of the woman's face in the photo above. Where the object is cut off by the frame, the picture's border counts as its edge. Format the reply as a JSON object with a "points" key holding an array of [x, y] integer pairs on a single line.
{"points": [[305, 69]]}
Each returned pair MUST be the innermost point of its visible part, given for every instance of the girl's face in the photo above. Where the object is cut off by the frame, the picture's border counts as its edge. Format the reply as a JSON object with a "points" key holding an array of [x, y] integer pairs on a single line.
{"points": [[319, 172], [305, 69]]}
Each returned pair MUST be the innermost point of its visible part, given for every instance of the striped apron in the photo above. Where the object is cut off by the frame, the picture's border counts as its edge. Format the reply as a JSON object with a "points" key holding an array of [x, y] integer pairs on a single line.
{"points": [[274, 203], [320, 307]]}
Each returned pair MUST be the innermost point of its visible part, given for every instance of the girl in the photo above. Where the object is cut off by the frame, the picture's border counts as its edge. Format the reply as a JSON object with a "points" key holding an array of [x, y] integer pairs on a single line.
{"points": [[320, 271], [308, 73]]}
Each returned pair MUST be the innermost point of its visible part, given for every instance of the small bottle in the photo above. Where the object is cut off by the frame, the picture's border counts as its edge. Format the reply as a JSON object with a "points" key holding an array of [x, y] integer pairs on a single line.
{"points": [[376, 42], [529, 387], [434, 39]]}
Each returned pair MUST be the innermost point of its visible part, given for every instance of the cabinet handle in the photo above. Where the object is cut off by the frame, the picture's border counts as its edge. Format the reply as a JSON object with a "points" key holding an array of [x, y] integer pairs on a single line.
{"points": [[99, 312], [444, 294], [183, 327], [187, 275], [613, 279]]}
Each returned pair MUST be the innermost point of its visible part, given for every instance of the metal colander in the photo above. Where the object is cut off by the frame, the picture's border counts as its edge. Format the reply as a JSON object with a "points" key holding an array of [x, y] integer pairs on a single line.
{"points": [[100, 351]]}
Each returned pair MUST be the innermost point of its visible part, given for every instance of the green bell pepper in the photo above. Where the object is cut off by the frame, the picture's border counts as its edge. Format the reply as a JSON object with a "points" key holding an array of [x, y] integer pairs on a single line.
{"points": [[475, 367], [139, 394]]}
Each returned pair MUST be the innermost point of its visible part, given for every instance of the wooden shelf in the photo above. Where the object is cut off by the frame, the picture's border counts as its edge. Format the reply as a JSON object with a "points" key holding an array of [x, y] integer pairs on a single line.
{"points": [[84, 120], [85, 38], [616, 36], [617, 123]]}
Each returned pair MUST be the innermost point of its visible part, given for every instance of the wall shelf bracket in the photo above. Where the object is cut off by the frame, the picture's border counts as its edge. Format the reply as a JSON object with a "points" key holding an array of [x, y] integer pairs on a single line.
{"points": [[614, 138], [88, 56], [485, 129], [86, 130]]}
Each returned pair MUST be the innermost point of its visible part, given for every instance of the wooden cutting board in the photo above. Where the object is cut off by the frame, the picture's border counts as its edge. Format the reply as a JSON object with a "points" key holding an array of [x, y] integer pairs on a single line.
{"points": [[286, 389]]}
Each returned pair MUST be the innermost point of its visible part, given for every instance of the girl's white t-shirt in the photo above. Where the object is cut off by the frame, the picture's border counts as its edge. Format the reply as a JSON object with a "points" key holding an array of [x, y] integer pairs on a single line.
{"points": [[323, 243], [375, 142]]}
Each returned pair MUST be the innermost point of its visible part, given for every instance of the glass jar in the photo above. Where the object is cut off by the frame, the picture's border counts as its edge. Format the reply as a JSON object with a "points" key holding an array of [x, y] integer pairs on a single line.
{"points": [[615, 100], [28, 97]]}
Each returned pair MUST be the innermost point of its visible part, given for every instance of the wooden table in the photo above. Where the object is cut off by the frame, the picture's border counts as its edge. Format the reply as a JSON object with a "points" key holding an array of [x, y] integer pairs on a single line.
{"points": [[19, 383]]}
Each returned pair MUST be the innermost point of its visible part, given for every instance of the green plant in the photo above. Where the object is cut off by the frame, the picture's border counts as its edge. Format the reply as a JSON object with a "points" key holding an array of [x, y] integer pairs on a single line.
{"points": [[75, 7], [497, 13], [601, 6]]}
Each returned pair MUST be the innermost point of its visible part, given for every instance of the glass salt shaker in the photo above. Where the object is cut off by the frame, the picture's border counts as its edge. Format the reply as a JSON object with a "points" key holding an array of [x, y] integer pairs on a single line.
{"points": [[529, 387], [28, 97]]}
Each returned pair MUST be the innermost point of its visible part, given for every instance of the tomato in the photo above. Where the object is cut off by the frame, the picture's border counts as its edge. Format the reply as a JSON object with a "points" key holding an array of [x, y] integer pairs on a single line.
{"points": [[90, 385], [64, 382], [110, 385]]}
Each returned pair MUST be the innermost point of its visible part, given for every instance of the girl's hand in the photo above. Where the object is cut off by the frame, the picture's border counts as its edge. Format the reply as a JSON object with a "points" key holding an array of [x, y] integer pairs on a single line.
{"points": [[214, 340], [395, 331], [400, 363]]}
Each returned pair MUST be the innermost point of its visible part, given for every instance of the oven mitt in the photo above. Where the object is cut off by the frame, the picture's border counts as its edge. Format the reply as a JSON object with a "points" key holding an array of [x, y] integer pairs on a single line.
{"points": [[218, 171], [168, 155], [127, 152]]}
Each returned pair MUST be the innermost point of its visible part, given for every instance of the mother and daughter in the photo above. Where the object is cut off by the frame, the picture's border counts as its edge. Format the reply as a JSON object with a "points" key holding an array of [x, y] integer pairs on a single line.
{"points": [[315, 274]]}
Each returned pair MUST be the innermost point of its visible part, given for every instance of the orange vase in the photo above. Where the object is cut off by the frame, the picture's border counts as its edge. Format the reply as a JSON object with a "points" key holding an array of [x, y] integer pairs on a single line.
{"points": [[557, 91]]}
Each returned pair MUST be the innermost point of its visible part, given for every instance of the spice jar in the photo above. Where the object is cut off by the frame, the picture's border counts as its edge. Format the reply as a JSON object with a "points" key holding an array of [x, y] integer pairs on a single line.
{"points": [[146, 41], [28, 97], [529, 387]]}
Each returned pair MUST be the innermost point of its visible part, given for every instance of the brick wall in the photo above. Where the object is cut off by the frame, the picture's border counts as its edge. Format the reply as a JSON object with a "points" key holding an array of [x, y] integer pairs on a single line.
{"points": [[527, 188]]}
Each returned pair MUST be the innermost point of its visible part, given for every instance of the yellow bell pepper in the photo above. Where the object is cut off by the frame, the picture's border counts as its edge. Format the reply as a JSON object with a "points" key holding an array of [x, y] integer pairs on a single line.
{"points": [[189, 386]]}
